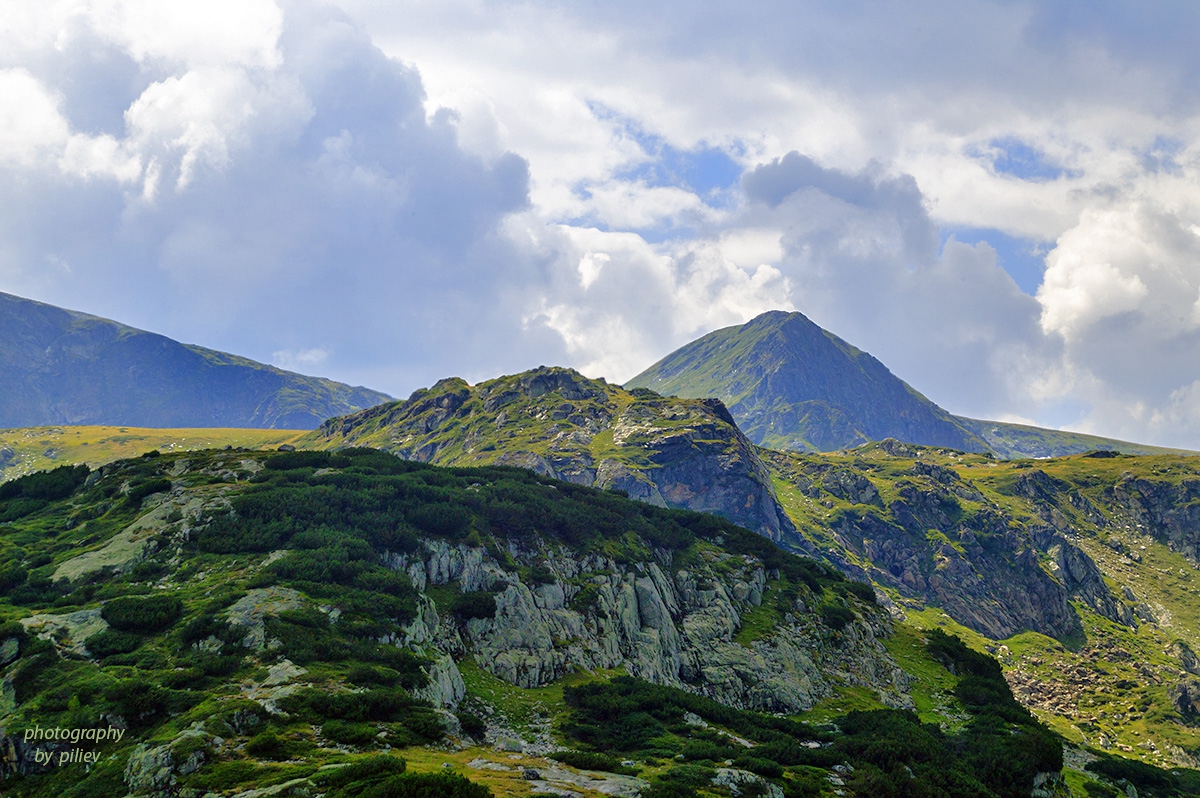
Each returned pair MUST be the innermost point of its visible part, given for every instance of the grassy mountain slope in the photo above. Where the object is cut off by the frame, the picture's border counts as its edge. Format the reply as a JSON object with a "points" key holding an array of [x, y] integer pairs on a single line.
{"points": [[1014, 441], [63, 367], [353, 624], [794, 386]]}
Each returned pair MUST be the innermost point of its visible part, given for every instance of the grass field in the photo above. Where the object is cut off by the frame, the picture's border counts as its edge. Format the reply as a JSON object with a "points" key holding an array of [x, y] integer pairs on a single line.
{"points": [[23, 451]]}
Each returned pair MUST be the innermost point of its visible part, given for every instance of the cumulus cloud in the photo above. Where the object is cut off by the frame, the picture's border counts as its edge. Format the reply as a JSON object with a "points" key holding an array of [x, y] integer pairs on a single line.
{"points": [[278, 190], [1122, 290]]}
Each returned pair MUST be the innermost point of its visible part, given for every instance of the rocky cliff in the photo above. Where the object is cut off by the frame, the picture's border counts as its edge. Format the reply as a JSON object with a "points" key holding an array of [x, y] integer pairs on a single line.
{"points": [[667, 624]]}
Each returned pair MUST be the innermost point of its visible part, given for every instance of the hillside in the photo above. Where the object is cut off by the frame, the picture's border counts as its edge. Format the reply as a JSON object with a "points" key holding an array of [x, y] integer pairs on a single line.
{"points": [[1015, 441], [792, 385], [353, 624], [1099, 639], [63, 367]]}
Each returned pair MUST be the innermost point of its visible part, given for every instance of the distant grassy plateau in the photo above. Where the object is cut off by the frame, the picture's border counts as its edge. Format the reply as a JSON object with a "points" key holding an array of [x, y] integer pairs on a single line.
{"points": [[29, 449]]}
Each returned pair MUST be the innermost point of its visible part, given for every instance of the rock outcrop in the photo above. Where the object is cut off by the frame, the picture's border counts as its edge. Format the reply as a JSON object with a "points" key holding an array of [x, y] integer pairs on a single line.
{"points": [[668, 625]]}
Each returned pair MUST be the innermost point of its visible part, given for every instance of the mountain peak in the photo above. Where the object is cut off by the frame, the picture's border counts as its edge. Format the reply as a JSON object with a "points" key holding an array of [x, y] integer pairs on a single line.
{"points": [[792, 384]]}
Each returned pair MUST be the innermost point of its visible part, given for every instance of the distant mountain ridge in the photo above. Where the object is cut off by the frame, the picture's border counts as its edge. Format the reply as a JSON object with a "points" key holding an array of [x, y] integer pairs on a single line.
{"points": [[60, 366], [792, 385]]}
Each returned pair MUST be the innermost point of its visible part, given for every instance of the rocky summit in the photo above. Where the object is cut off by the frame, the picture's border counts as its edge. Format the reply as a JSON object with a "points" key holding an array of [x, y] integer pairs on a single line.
{"points": [[63, 367], [670, 452]]}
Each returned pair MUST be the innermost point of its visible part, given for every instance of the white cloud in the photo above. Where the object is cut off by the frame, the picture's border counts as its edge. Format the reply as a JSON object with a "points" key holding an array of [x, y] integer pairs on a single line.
{"points": [[31, 127], [217, 32], [303, 360], [194, 120]]}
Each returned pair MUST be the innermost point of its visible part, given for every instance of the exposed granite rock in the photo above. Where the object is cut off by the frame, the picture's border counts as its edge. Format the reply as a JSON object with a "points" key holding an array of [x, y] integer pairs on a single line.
{"points": [[997, 589], [1169, 511], [19, 757], [250, 612], [1185, 698], [1082, 578], [1187, 658], [68, 632], [10, 647], [736, 781], [668, 626], [560, 781], [446, 687], [151, 771]]}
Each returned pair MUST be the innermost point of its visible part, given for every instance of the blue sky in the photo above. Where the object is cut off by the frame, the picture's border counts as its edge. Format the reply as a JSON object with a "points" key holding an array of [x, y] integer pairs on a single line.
{"points": [[997, 199]]}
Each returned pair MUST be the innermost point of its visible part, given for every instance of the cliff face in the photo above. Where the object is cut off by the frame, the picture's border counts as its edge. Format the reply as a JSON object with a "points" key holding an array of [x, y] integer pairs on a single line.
{"points": [[931, 535], [1167, 510], [670, 625], [682, 453]]}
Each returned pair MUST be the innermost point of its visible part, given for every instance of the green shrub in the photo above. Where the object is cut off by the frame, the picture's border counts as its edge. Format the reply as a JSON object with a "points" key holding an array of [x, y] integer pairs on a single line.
{"points": [[763, 767], [12, 576], [112, 641], [472, 725], [442, 519], [863, 591], [586, 599], [362, 772], [46, 486], [267, 744], [363, 675], [541, 575], [836, 616], [206, 626], [140, 701], [1141, 775], [289, 461], [590, 760], [467, 606], [140, 491], [384, 777], [705, 749], [142, 614], [348, 733]]}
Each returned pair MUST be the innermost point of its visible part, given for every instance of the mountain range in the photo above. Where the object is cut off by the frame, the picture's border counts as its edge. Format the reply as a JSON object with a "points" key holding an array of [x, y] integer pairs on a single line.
{"points": [[63, 367]]}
